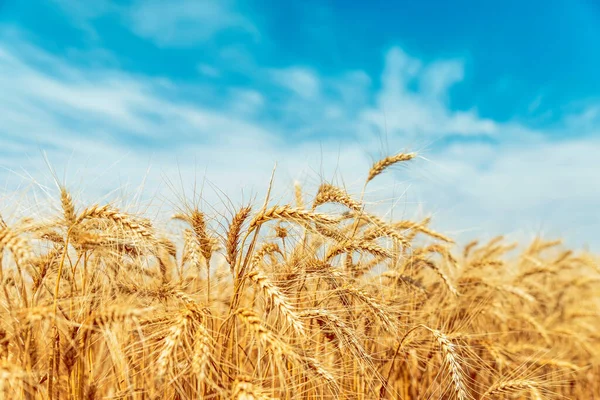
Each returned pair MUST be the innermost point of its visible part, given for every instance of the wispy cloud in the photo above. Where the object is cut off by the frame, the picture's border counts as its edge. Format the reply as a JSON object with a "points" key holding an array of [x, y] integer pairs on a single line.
{"points": [[423, 110], [187, 22], [118, 123], [301, 81]]}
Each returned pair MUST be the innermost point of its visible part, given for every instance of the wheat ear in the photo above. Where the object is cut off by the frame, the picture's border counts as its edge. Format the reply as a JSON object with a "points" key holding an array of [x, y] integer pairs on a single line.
{"points": [[387, 162]]}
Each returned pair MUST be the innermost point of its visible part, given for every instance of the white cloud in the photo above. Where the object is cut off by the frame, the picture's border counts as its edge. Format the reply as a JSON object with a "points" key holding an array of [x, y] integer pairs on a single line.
{"points": [[246, 102], [423, 112], [105, 127], [300, 80], [586, 119], [546, 183], [176, 23], [186, 22], [438, 77]]}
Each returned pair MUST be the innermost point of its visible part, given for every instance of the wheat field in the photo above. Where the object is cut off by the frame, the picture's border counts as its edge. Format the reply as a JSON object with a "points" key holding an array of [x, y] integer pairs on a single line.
{"points": [[316, 299]]}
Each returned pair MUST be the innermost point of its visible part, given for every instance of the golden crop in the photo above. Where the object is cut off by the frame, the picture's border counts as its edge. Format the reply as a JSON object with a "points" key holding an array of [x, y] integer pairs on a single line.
{"points": [[294, 301]]}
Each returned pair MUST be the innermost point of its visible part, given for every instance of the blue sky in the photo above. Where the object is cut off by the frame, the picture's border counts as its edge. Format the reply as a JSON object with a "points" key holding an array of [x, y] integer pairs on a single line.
{"points": [[502, 100]]}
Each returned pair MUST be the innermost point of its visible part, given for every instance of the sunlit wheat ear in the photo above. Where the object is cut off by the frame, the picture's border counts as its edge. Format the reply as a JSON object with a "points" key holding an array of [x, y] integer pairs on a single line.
{"points": [[192, 251], [171, 342], [563, 257], [251, 320], [539, 245], [233, 235], [290, 214], [18, 246], [436, 235], [380, 228], [328, 193], [451, 359], [67, 206], [203, 349], [469, 248], [265, 250], [361, 246], [117, 217], [331, 233], [298, 196], [387, 162], [207, 243], [276, 298]]}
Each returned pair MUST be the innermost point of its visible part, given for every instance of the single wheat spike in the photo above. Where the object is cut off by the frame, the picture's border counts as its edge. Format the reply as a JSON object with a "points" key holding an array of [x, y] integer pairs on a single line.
{"points": [[290, 214], [277, 299], [328, 193], [298, 196], [119, 218], [382, 228], [250, 318], [331, 233], [171, 342], [381, 165], [468, 247], [359, 246], [203, 349], [198, 223], [18, 246], [67, 206], [233, 235], [451, 358], [436, 235], [266, 249], [192, 249]]}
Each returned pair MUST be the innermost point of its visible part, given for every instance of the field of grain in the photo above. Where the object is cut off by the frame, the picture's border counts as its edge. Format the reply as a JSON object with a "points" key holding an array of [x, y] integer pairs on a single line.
{"points": [[318, 299]]}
